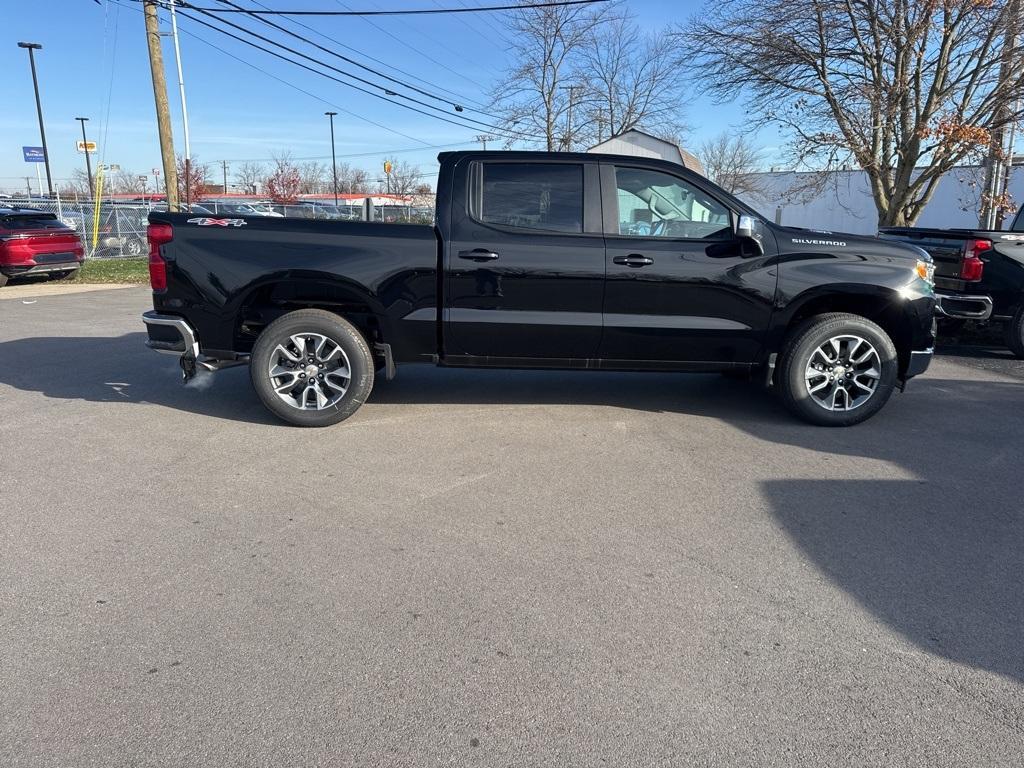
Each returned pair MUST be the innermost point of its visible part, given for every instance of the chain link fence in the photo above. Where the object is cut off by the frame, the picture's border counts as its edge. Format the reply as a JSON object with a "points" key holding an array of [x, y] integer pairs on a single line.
{"points": [[115, 230]]}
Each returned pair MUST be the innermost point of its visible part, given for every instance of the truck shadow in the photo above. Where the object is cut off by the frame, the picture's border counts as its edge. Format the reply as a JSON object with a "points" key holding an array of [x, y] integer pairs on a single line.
{"points": [[122, 370], [938, 556]]}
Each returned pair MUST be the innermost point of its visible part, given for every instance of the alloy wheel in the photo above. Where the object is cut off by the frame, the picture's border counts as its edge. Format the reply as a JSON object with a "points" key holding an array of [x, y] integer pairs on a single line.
{"points": [[310, 372], [843, 373]]}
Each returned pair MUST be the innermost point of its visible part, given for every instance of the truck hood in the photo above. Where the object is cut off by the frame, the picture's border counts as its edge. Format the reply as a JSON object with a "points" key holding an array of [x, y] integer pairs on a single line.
{"points": [[799, 240]]}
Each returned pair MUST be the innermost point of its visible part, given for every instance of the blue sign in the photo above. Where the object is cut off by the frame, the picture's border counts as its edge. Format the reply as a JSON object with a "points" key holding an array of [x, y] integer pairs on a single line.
{"points": [[34, 154]]}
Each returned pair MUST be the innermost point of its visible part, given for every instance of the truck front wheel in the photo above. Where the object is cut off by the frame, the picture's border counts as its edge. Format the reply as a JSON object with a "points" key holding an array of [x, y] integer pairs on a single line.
{"points": [[837, 370], [312, 368]]}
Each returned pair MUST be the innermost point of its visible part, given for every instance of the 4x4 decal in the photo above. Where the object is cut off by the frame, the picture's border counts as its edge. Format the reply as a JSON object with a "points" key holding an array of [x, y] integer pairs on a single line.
{"points": [[205, 221]]}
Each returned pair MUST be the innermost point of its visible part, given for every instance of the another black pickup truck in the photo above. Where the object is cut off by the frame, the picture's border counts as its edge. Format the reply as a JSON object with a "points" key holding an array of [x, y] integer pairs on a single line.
{"points": [[542, 260], [979, 274]]}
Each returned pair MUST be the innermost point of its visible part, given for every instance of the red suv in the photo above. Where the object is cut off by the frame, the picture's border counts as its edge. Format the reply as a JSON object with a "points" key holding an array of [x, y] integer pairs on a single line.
{"points": [[37, 243]]}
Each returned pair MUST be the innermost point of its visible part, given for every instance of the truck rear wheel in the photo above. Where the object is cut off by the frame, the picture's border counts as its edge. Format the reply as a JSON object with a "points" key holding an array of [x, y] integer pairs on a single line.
{"points": [[837, 370], [1014, 333], [311, 368]]}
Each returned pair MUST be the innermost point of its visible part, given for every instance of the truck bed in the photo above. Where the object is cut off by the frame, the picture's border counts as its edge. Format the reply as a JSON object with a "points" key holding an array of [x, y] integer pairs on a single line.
{"points": [[226, 268]]}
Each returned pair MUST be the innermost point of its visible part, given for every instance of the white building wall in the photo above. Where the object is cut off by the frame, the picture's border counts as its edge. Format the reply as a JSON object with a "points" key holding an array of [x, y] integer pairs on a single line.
{"points": [[638, 145], [846, 205]]}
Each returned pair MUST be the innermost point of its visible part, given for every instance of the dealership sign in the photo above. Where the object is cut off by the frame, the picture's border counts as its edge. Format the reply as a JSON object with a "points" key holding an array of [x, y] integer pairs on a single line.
{"points": [[34, 154]]}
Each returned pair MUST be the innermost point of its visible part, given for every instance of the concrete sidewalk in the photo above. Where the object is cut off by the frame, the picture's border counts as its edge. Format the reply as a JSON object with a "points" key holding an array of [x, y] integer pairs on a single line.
{"points": [[40, 290]]}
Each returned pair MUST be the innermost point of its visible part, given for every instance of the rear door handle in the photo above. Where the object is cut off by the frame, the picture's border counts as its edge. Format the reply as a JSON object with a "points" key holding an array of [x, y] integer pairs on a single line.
{"points": [[634, 260], [478, 254]]}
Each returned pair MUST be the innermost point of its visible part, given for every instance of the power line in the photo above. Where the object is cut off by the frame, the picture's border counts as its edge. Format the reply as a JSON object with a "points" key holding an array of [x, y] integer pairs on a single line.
{"points": [[457, 97], [289, 84], [353, 62], [406, 12], [412, 47], [442, 116]]}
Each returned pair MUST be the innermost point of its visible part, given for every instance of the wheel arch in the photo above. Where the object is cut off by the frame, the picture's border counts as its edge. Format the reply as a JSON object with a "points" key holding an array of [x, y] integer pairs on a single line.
{"points": [[884, 306], [264, 302]]}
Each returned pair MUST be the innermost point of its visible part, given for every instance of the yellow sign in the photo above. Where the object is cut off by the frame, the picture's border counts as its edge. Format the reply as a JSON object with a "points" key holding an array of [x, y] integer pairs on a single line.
{"points": [[387, 166], [86, 146]]}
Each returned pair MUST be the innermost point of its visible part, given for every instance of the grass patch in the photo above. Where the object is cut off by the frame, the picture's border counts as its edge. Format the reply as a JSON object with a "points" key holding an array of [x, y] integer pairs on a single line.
{"points": [[114, 271]]}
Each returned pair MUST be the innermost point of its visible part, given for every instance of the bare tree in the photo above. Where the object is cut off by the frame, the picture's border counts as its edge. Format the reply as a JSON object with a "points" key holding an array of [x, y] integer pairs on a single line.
{"points": [[732, 162], [284, 181], [76, 186], [358, 181], [192, 185], [906, 90], [630, 79], [313, 176], [404, 178], [126, 182], [249, 176], [533, 98]]}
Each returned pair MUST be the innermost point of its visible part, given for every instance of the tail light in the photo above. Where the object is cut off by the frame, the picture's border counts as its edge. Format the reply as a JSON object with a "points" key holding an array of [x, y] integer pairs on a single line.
{"points": [[972, 267], [158, 234]]}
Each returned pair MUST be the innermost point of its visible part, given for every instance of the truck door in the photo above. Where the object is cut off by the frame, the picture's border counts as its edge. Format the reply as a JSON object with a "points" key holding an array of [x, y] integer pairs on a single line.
{"points": [[680, 287], [525, 261]]}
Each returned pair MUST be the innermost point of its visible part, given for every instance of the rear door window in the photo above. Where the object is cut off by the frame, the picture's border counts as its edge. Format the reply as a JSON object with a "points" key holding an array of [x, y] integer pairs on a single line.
{"points": [[545, 197]]}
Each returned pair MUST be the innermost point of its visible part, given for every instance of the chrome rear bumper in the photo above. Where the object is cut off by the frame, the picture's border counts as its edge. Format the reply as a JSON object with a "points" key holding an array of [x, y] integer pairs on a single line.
{"points": [[186, 343]]}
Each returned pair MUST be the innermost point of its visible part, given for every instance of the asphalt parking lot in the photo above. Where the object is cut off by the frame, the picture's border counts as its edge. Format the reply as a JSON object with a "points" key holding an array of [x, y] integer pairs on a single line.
{"points": [[498, 568]]}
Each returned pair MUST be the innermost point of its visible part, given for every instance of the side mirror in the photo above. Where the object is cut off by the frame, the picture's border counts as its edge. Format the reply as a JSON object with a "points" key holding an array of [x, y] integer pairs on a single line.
{"points": [[750, 230]]}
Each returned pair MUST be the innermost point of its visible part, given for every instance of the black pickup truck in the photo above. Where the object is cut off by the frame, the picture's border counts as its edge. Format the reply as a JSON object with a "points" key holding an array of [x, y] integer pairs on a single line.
{"points": [[979, 275], [544, 260]]}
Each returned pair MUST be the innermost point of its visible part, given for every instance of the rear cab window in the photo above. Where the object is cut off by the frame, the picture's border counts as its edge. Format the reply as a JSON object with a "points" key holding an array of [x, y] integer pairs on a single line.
{"points": [[542, 197], [20, 222]]}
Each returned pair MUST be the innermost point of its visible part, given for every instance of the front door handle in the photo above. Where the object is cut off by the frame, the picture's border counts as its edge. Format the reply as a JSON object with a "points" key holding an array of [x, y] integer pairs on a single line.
{"points": [[634, 260], [478, 254]]}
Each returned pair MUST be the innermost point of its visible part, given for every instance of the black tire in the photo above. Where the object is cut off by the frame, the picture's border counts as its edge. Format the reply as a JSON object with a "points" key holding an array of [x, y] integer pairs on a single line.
{"points": [[62, 275], [1013, 333], [276, 340], [800, 353]]}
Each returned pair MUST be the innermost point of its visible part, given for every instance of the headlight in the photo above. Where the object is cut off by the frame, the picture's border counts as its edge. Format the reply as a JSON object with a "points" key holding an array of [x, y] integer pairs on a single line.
{"points": [[926, 271]]}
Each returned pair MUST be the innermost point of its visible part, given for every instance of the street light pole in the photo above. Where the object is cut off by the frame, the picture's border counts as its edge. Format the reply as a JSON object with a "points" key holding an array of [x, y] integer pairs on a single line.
{"points": [[184, 107], [32, 47], [334, 160], [88, 162]]}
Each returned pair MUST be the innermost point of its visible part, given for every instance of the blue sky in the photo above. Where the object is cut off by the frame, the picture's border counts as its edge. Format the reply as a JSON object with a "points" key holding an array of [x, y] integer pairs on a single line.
{"points": [[94, 64]]}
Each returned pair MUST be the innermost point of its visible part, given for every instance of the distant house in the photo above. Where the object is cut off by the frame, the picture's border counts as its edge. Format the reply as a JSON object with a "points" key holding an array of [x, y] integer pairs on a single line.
{"points": [[640, 144]]}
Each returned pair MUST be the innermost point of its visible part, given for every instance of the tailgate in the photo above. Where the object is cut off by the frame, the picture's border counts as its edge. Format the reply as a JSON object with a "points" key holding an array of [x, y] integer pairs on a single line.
{"points": [[946, 249]]}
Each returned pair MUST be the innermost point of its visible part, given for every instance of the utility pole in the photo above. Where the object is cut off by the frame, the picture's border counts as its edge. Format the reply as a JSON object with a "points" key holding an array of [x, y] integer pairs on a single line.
{"points": [[32, 48], [163, 112], [334, 160], [224, 166], [483, 138], [568, 120], [88, 162], [995, 173]]}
